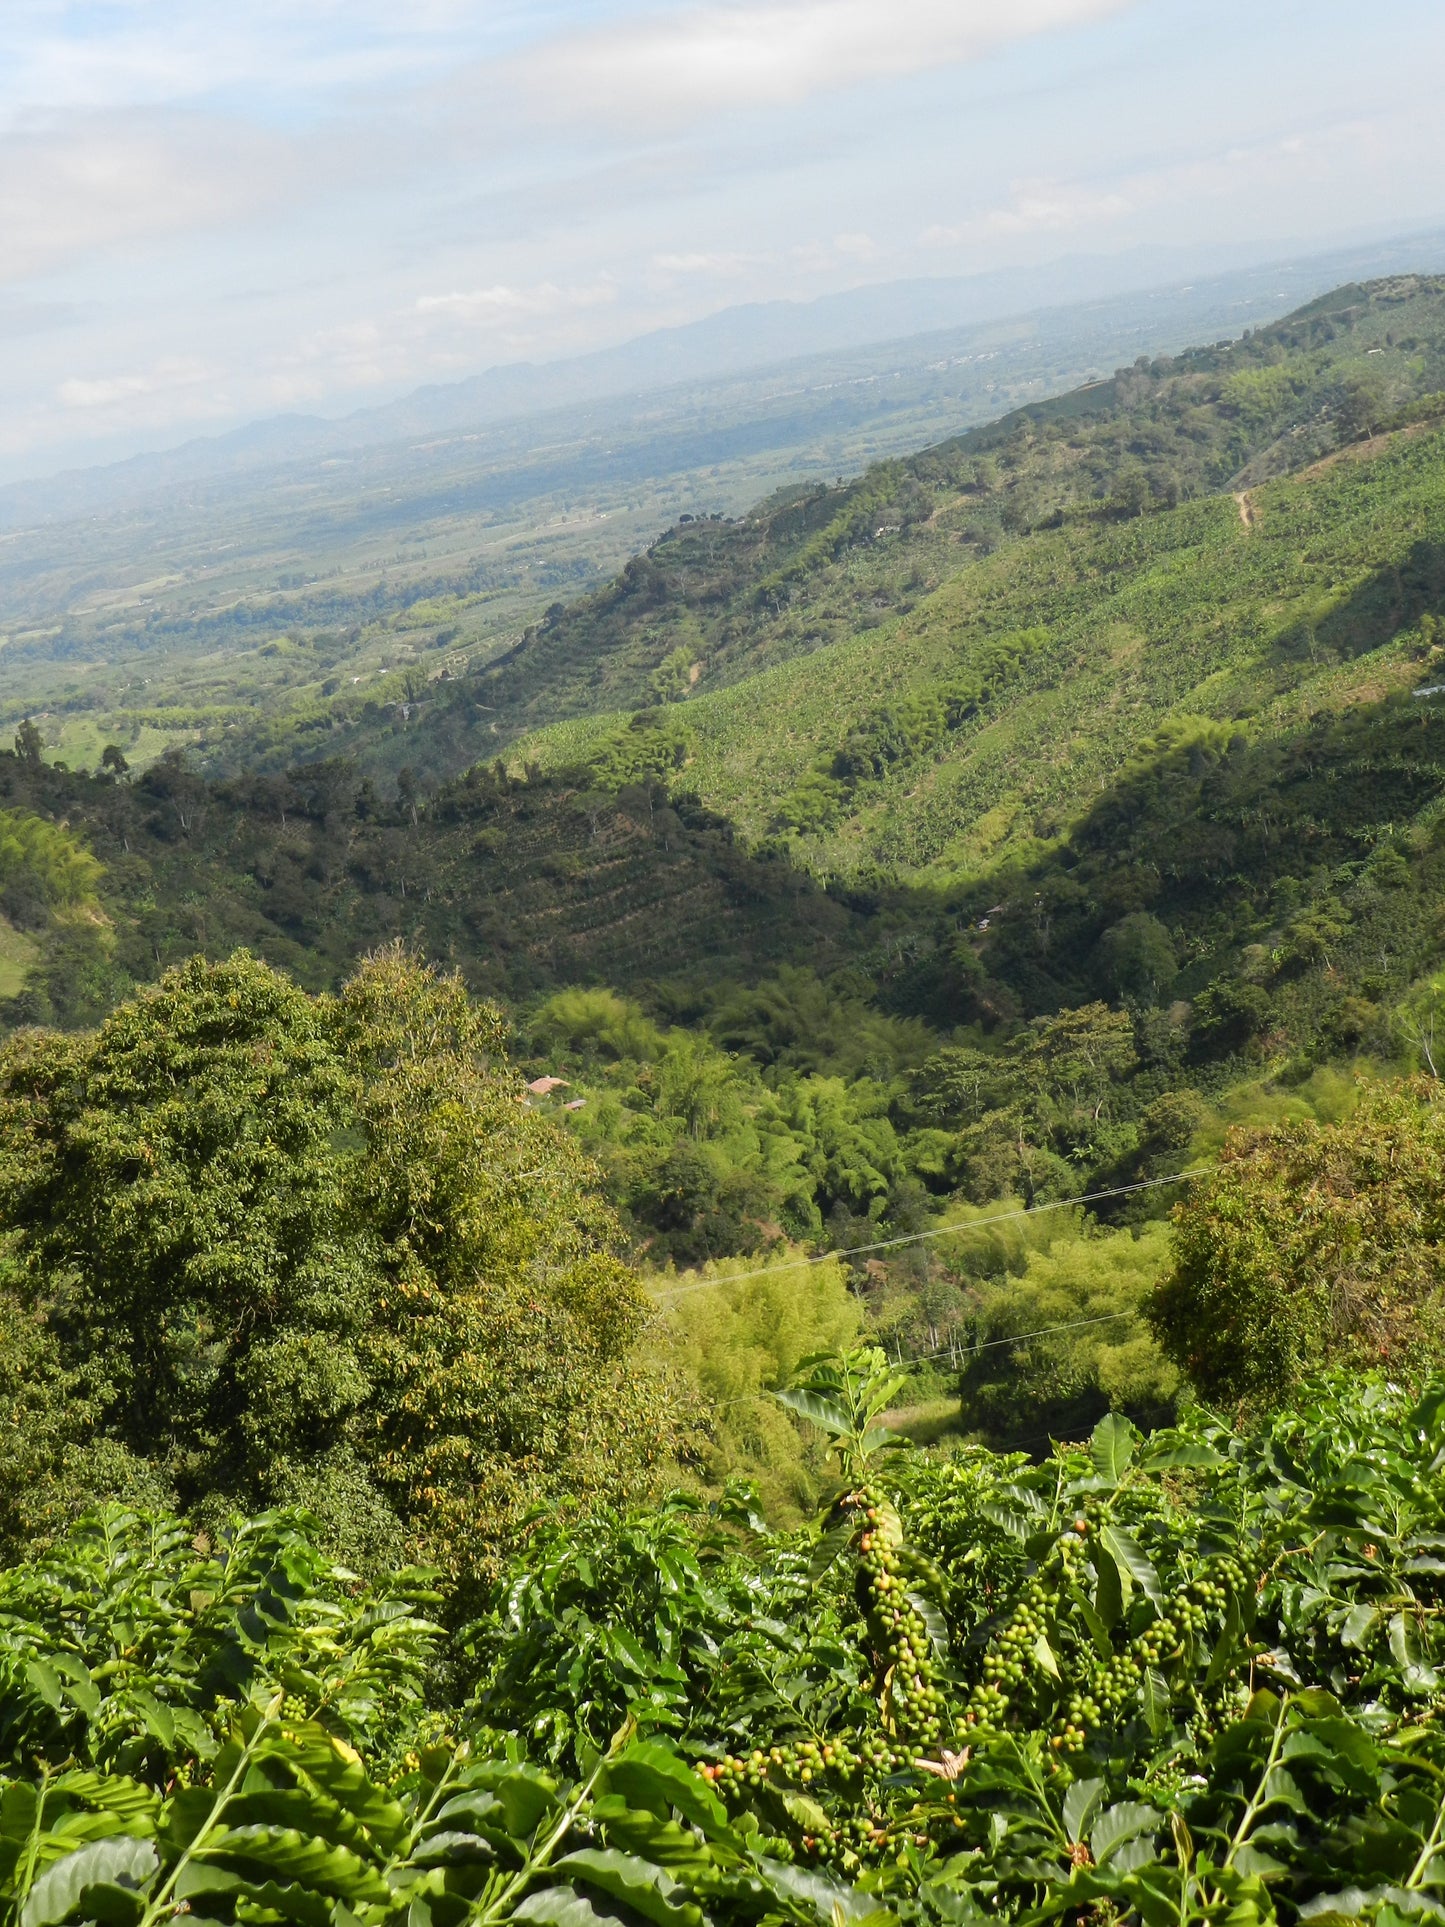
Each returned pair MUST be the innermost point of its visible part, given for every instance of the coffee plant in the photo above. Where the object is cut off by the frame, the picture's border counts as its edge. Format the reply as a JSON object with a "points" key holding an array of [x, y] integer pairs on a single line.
{"points": [[1190, 1678], [1029, 1681]]}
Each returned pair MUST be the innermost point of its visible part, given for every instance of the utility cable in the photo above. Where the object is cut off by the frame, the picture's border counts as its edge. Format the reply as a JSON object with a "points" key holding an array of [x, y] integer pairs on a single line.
{"points": [[962, 1353], [669, 1292]]}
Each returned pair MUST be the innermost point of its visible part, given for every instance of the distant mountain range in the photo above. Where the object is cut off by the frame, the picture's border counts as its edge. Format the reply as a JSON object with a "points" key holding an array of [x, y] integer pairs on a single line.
{"points": [[734, 341]]}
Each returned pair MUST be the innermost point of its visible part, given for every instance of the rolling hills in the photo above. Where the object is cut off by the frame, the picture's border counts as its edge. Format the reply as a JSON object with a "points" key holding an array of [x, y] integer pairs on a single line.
{"points": [[1148, 525], [983, 826], [311, 588], [311, 572], [913, 686]]}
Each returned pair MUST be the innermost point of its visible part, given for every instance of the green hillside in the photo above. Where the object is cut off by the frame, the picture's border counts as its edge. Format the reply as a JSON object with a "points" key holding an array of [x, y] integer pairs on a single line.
{"points": [[817, 1294], [278, 598], [985, 718], [526, 886], [878, 652], [818, 565], [1000, 825]]}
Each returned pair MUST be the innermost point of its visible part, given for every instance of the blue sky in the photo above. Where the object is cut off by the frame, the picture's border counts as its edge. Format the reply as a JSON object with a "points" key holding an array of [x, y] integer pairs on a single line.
{"points": [[210, 212]]}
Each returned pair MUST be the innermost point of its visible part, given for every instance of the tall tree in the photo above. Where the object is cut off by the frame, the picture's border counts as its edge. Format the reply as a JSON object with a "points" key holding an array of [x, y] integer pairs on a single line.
{"points": [[318, 1249], [1310, 1245]]}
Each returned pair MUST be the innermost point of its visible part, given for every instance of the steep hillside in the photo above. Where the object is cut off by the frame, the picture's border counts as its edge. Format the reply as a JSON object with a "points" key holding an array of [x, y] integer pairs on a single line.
{"points": [[981, 723], [415, 658], [957, 746], [235, 594], [1275, 887], [714, 602], [1124, 810], [523, 885]]}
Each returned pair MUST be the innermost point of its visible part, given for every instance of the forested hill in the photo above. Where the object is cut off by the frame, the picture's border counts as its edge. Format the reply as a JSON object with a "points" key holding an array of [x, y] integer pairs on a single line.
{"points": [[525, 886], [1044, 835], [713, 602]]}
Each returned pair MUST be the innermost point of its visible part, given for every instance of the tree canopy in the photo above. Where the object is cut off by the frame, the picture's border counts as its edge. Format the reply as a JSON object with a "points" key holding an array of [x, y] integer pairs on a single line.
{"points": [[320, 1249], [1312, 1244]]}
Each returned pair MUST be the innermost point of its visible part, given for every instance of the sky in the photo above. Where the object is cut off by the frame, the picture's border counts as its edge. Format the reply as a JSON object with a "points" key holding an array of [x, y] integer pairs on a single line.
{"points": [[217, 210]]}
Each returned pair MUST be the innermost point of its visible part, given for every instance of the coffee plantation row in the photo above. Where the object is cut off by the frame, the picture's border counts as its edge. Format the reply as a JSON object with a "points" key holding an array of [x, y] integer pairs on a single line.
{"points": [[1184, 1678]]}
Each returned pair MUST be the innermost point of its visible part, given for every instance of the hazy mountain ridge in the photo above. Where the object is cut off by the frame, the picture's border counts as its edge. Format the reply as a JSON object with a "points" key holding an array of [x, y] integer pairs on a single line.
{"points": [[812, 570], [733, 341]]}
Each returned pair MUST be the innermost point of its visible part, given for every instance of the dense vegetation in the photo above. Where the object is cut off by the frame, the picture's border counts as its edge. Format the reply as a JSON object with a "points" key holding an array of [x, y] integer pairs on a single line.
{"points": [[270, 1248], [814, 568], [450, 1460], [1124, 829], [1188, 1679]]}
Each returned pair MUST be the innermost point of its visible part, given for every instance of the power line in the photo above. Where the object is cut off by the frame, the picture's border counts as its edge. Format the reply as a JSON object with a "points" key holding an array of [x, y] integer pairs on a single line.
{"points": [[962, 1353], [918, 1237]]}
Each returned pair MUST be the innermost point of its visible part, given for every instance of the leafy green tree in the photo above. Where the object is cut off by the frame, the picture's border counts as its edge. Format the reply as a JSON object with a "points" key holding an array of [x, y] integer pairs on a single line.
{"points": [[698, 1086], [43, 869], [53, 1463], [1360, 407], [1079, 1055], [1050, 1103], [1067, 1342], [183, 1217], [1312, 1244], [695, 1204], [1136, 958], [595, 1021], [796, 1020], [959, 1084], [1007, 1153], [672, 678], [503, 1358], [306, 1249], [1228, 1015], [848, 1145]]}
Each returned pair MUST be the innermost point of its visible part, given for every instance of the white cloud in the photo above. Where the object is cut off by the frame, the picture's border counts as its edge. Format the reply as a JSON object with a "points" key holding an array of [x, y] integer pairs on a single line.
{"points": [[1283, 164], [670, 67], [165, 378], [126, 123], [845, 251], [507, 304], [76, 55], [1048, 208], [702, 263], [1056, 213], [108, 180]]}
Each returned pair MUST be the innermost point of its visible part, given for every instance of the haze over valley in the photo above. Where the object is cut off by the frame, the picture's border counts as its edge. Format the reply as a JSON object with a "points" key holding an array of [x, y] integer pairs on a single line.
{"points": [[722, 964]]}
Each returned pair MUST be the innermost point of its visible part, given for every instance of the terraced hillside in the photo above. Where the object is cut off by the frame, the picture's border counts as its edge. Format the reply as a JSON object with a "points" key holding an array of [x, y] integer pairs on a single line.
{"points": [[714, 602], [522, 885], [975, 724]]}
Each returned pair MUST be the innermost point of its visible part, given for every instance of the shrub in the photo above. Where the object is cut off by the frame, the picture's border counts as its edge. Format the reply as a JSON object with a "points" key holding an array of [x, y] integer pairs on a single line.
{"points": [[1312, 1244]]}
